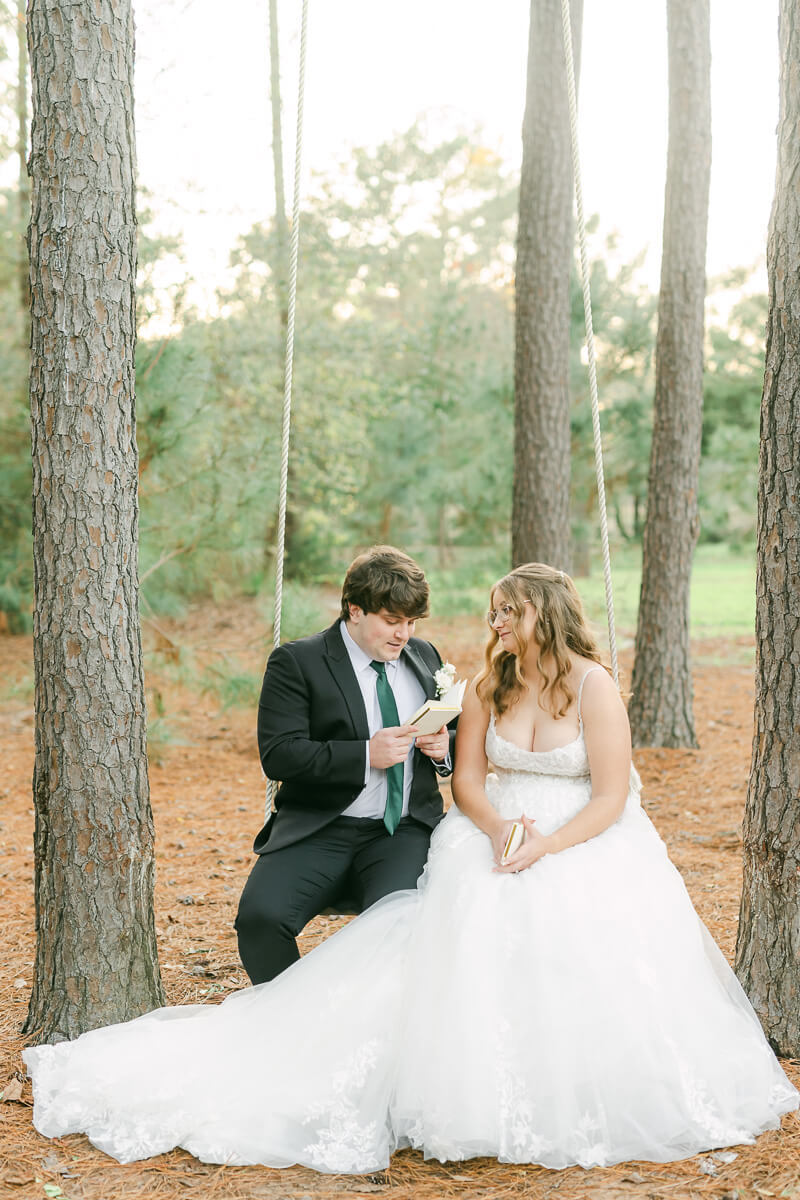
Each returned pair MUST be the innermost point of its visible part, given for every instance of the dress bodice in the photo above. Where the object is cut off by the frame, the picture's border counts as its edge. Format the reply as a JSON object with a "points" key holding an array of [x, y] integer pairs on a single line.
{"points": [[568, 760], [548, 785]]}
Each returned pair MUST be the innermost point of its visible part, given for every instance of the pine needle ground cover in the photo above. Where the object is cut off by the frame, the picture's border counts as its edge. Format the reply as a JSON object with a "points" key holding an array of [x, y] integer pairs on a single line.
{"points": [[207, 794]]}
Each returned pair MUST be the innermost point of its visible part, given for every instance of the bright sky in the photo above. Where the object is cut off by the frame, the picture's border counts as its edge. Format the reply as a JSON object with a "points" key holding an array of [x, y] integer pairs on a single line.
{"points": [[204, 124]]}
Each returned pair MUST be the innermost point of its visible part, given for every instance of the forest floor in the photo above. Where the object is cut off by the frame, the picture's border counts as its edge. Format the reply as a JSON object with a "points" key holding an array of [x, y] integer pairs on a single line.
{"points": [[207, 795]]}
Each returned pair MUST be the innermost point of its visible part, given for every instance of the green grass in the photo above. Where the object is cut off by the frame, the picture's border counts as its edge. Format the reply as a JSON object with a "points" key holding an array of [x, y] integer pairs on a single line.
{"points": [[231, 684], [722, 594], [303, 610], [462, 587], [625, 577], [722, 602], [161, 737], [18, 690]]}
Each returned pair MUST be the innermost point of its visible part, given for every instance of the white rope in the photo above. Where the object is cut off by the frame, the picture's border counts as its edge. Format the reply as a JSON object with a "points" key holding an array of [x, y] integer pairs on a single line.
{"points": [[587, 310], [289, 364]]}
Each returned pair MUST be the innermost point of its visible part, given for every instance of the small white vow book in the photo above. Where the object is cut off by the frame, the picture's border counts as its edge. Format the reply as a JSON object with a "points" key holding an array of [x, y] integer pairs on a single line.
{"points": [[435, 713], [516, 836]]}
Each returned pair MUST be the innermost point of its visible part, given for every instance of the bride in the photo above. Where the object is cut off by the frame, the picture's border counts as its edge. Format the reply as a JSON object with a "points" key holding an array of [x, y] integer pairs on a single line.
{"points": [[564, 1006]]}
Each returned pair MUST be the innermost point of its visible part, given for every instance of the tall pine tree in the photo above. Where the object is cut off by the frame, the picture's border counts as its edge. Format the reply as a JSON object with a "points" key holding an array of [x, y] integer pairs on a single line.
{"points": [[661, 706], [768, 948], [96, 959], [540, 526]]}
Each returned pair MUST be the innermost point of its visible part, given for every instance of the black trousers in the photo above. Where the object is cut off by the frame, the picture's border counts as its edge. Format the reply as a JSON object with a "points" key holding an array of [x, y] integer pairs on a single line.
{"points": [[353, 856]]}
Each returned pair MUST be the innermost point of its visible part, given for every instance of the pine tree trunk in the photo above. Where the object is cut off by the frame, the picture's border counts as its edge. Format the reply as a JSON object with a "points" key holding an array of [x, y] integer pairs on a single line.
{"points": [[540, 527], [96, 956], [661, 705], [768, 948]]}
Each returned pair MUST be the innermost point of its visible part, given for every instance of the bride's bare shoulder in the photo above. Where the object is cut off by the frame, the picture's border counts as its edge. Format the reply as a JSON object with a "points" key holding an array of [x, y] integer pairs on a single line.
{"points": [[473, 702], [582, 666], [600, 697]]}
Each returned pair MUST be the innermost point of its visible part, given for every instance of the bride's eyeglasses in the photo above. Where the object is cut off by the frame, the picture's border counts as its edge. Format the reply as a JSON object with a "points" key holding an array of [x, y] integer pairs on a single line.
{"points": [[505, 612]]}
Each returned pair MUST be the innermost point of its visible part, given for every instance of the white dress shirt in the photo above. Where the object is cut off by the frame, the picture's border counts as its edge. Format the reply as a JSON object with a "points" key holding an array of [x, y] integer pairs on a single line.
{"points": [[409, 694]]}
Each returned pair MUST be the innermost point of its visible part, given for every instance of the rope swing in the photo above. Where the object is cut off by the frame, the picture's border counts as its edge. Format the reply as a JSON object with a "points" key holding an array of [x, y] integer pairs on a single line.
{"points": [[590, 347], [280, 549], [289, 363], [587, 312]]}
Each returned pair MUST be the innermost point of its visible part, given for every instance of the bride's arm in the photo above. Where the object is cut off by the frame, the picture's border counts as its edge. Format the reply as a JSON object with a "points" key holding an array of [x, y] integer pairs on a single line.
{"points": [[469, 776], [608, 745]]}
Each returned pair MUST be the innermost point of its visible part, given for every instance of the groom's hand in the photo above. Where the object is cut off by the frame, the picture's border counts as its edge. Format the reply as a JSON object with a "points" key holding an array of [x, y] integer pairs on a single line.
{"points": [[435, 745], [390, 746]]}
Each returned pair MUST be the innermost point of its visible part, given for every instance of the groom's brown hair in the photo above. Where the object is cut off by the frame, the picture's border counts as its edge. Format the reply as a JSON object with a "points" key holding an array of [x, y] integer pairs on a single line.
{"points": [[385, 578]]}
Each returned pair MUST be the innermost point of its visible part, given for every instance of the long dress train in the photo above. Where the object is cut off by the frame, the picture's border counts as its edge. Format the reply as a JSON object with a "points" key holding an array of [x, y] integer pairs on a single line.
{"points": [[577, 1012]]}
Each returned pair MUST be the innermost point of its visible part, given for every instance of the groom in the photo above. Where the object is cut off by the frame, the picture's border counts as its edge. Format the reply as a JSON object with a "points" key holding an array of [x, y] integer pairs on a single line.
{"points": [[359, 796]]}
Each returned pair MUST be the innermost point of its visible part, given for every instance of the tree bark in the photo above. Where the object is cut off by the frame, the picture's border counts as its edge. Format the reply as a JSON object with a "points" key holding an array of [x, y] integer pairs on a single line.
{"points": [[768, 946], [96, 958], [661, 706], [540, 526]]}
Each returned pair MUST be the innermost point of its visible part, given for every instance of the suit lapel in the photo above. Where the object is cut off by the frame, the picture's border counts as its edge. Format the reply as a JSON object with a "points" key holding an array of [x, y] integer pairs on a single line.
{"points": [[338, 662], [421, 670]]}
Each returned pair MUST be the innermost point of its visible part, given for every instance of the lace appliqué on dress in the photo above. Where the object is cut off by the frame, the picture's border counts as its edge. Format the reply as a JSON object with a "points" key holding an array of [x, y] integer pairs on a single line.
{"points": [[345, 1141]]}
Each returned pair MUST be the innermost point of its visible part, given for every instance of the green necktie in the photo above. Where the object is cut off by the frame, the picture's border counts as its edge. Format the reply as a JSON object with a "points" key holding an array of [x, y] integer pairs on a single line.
{"points": [[394, 775]]}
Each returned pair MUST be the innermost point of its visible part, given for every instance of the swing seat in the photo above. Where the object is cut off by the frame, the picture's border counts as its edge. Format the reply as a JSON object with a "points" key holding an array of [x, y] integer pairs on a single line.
{"points": [[346, 907]]}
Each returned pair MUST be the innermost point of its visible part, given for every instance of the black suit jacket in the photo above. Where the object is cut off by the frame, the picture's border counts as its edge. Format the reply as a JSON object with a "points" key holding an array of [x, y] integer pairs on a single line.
{"points": [[312, 726]]}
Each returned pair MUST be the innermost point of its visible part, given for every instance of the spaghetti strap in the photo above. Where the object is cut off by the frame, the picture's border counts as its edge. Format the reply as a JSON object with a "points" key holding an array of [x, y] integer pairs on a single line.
{"points": [[580, 692]]}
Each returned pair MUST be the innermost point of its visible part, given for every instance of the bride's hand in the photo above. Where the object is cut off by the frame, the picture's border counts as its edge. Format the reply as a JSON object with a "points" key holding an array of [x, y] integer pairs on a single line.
{"points": [[499, 837], [535, 846]]}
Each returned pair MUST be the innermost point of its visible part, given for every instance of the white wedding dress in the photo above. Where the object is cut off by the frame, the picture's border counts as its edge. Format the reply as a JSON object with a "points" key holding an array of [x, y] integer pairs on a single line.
{"points": [[577, 1012]]}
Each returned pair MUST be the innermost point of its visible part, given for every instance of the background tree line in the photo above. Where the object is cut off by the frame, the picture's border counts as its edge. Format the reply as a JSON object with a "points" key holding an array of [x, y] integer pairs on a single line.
{"points": [[403, 417]]}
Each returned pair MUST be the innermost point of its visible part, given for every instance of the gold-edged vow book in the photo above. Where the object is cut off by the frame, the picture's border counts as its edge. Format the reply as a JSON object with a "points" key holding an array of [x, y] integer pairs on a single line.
{"points": [[433, 714], [516, 836]]}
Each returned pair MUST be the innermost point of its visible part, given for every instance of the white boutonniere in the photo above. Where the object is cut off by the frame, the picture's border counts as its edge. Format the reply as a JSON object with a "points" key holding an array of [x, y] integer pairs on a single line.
{"points": [[444, 678]]}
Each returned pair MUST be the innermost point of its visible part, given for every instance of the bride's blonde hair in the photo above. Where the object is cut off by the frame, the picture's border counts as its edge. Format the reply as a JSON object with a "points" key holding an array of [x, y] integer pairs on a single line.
{"points": [[560, 629]]}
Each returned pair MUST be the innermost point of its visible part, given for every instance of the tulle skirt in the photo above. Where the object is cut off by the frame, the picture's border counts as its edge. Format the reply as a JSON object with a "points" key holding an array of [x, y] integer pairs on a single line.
{"points": [[575, 1013]]}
